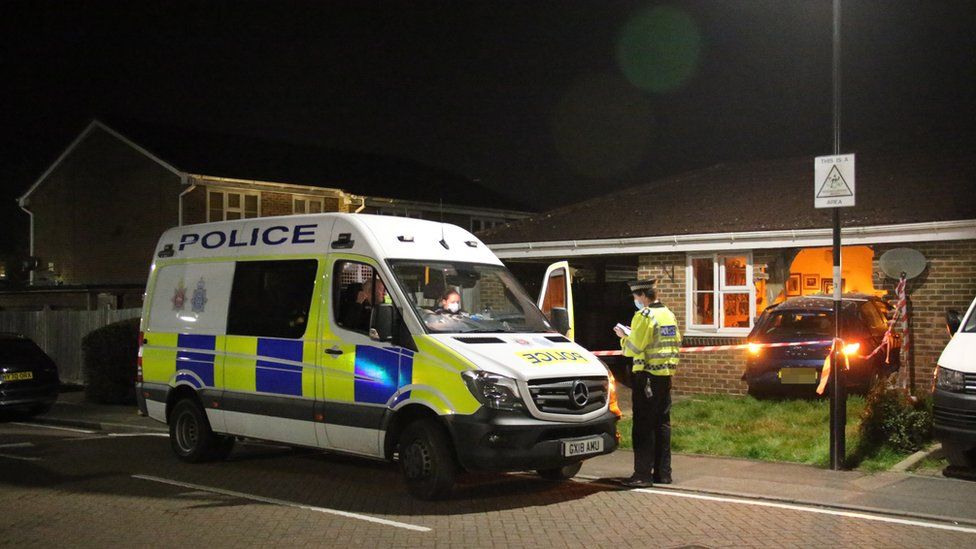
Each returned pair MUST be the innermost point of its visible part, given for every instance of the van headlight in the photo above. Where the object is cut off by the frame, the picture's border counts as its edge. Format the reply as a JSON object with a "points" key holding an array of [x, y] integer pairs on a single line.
{"points": [[949, 380], [493, 390]]}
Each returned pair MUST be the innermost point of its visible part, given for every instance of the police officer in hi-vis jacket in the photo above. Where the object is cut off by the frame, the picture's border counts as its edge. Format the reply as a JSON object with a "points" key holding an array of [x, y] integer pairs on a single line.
{"points": [[654, 343]]}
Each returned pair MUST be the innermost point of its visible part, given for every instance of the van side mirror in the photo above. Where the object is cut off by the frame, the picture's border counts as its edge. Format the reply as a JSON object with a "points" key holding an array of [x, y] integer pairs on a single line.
{"points": [[382, 322], [953, 321], [559, 317]]}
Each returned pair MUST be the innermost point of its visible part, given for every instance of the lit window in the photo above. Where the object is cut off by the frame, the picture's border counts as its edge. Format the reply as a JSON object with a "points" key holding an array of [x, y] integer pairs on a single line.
{"points": [[721, 298], [228, 205]]}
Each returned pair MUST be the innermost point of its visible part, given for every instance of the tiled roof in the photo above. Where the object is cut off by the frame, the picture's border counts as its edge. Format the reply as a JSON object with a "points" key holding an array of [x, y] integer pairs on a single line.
{"points": [[892, 188], [245, 157]]}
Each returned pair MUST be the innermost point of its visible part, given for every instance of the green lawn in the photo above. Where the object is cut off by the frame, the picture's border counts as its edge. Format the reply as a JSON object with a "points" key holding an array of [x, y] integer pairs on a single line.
{"points": [[776, 430]]}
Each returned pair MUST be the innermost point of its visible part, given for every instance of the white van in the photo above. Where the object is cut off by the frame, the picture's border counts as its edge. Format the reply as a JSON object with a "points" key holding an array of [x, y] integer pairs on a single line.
{"points": [[954, 406], [334, 331]]}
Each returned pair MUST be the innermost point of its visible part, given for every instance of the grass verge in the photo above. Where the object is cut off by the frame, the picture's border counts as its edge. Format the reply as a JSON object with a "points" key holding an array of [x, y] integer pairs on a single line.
{"points": [[793, 430]]}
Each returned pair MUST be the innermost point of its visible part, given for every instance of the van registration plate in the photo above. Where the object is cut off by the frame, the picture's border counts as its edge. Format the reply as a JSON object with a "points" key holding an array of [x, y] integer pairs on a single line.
{"points": [[582, 446], [17, 376]]}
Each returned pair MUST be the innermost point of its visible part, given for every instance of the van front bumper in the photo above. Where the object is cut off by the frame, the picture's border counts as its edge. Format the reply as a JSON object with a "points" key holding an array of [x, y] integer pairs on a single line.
{"points": [[492, 440], [954, 417]]}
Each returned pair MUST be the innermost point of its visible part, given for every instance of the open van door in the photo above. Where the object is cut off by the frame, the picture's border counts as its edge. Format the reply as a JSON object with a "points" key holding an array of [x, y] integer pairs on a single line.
{"points": [[557, 293]]}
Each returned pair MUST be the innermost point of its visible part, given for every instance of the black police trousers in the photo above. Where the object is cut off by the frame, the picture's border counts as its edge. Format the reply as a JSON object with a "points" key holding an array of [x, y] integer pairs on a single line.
{"points": [[652, 426]]}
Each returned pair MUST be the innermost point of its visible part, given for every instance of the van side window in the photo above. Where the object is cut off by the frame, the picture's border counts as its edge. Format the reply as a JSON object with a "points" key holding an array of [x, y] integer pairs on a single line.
{"points": [[271, 298], [355, 288]]}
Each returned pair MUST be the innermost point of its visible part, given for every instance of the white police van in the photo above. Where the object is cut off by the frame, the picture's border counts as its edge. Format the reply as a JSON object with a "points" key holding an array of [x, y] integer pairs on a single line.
{"points": [[954, 398], [333, 331]]}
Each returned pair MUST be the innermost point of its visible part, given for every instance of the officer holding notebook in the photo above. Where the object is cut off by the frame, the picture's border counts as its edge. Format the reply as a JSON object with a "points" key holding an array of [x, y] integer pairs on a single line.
{"points": [[654, 342]]}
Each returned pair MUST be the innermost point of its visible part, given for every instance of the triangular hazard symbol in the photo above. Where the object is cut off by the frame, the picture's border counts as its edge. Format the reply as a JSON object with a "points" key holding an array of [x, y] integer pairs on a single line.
{"points": [[834, 185]]}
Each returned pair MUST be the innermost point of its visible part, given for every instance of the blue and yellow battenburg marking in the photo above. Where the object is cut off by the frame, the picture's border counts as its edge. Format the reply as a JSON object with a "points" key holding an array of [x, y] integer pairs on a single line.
{"points": [[275, 376], [380, 372], [193, 367]]}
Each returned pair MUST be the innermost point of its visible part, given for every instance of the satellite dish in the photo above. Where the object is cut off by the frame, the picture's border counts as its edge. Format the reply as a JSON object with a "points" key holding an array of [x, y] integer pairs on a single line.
{"points": [[902, 260]]}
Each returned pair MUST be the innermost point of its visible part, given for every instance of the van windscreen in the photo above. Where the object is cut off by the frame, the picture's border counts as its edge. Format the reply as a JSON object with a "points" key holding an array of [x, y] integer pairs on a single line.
{"points": [[467, 298]]}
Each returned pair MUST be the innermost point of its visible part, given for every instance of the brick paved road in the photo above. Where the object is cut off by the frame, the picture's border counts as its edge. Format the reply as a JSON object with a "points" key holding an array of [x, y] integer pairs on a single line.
{"points": [[70, 488]]}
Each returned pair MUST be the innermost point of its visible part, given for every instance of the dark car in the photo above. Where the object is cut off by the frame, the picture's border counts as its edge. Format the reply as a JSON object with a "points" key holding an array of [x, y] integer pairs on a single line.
{"points": [[795, 370], [28, 377]]}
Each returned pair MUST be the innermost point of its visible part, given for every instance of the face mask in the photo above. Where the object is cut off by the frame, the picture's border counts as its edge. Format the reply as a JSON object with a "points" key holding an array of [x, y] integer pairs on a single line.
{"points": [[454, 307], [638, 304]]}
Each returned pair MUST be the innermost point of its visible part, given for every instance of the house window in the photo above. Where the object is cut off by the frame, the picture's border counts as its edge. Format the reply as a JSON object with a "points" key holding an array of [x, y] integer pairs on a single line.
{"points": [[229, 205], [306, 204], [721, 298], [401, 213], [485, 223]]}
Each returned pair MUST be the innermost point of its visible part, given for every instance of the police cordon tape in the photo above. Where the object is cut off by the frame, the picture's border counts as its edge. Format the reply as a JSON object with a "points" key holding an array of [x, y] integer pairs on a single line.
{"points": [[705, 348]]}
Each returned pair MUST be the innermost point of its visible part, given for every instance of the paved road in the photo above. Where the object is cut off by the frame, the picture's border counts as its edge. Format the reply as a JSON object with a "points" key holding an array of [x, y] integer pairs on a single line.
{"points": [[72, 487]]}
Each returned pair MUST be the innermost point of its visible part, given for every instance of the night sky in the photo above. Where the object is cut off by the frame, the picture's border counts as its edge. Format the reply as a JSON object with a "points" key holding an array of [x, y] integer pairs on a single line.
{"points": [[550, 102]]}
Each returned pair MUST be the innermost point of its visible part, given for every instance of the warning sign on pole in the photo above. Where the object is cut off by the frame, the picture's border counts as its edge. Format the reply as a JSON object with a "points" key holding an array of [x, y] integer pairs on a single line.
{"points": [[833, 181]]}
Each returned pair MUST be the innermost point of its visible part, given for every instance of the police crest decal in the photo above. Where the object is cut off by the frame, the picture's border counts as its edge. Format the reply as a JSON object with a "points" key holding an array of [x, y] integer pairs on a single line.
{"points": [[179, 296], [199, 302]]}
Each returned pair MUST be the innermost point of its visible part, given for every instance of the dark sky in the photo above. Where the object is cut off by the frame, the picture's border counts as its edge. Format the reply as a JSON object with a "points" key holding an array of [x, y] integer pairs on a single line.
{"points": [[550, 102]]}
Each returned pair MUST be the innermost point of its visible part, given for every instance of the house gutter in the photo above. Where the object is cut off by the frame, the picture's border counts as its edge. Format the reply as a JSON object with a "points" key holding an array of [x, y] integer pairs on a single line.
{"points": [[362, 204], [182, 194], [746, 240]]}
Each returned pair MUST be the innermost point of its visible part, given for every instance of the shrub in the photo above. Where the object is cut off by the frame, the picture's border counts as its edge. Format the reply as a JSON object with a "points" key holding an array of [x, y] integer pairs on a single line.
{"points": [[893, 418], [110, 362]]}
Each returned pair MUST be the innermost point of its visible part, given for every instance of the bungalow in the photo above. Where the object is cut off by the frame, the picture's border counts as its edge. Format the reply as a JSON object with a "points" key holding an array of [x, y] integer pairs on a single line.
{"points": [[96, 212], [727, 241]]}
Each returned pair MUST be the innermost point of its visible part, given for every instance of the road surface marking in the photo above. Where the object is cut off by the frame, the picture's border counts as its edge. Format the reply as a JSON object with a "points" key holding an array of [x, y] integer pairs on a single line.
{"points": [[22, 458], [284, 503], [17, 445], [87, 432], [165, 435], [808, 509]]}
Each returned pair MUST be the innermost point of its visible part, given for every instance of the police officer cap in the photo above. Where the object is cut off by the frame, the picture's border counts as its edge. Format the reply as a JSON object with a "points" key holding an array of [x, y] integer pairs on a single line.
{"points": [[646, 284]]}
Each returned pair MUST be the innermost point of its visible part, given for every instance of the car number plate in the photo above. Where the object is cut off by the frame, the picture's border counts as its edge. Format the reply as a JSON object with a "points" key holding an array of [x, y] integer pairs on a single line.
{"points": [[582, 447], [17, 376], [798, 376]]}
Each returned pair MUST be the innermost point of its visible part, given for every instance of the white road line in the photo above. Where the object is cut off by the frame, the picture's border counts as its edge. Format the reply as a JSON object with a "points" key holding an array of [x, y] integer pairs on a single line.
{"points": [[165, 435], [22, 458], [807, 509], [17, 445], [73, 430], [284, 503]]}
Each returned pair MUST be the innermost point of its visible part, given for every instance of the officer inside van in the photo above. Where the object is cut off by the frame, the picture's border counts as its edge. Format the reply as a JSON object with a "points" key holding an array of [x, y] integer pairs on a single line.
{"points": [[356, 314]]}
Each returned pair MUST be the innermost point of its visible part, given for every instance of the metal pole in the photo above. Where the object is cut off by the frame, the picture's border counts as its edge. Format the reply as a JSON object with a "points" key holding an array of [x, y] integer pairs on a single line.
{"points": [[838, 394]]}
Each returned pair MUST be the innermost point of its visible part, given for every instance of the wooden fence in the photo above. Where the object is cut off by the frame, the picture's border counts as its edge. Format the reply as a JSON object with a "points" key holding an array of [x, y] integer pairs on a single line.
{"points": [[59, 333]]}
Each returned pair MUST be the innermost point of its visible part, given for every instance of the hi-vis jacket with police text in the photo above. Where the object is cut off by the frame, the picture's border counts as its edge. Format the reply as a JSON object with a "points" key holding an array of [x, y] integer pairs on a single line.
{"points": [[654, 341]]}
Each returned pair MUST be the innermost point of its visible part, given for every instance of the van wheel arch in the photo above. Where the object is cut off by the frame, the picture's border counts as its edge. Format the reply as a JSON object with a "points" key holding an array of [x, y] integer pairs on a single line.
{"points": [[400, 419], [177, 394]]}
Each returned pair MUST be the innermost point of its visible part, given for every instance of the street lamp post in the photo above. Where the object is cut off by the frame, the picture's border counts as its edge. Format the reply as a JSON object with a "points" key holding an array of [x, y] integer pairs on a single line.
{"points": [[838, 395]]}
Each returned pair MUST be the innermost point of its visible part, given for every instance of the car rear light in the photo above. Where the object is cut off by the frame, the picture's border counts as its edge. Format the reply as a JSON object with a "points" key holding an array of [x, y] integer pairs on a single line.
{"points": [[612, 388], [851, 349], [754, 348]]}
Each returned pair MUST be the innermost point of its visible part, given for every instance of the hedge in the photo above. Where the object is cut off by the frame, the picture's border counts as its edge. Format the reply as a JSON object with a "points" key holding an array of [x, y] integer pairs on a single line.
{"points": [[110, 362]]}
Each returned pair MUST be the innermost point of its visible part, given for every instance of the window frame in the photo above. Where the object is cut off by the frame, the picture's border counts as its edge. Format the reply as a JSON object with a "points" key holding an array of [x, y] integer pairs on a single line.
{"points": [[309, 313], [719, 289], [493, 221], [397, 212], [307, 199], [335, 292], [226, 208]]}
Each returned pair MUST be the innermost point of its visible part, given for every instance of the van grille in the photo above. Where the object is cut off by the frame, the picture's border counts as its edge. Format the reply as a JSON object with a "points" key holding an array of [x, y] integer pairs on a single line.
{"points": [[969, 383], [564, 395], [954, 417]]}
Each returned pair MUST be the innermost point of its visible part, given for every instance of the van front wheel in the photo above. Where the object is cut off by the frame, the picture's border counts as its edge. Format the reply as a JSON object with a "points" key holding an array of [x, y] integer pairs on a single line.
{"points": [[191, 437], [426, 460]]}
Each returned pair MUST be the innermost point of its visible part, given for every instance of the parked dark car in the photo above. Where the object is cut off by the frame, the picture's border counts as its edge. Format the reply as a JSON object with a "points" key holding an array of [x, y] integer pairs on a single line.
{"points": [[795, 370], [28, 377]]}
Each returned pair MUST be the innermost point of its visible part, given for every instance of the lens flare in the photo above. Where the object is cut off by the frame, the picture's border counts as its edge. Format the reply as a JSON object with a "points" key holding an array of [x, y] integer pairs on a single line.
{"points": [[659, 49]]}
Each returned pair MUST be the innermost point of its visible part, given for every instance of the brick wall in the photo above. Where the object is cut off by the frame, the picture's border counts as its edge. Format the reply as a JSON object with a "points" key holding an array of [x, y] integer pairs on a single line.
{"points": [[273, 203], [949, 282]]}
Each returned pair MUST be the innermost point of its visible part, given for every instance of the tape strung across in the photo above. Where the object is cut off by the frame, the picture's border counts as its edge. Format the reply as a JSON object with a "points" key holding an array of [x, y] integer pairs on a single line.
{"points": [[706, 348]]}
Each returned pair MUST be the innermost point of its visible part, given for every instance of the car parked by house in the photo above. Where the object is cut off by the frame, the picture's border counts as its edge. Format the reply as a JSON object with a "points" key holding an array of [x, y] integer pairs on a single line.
{"points": [[796, 369], [954, 406], [29, 379]]}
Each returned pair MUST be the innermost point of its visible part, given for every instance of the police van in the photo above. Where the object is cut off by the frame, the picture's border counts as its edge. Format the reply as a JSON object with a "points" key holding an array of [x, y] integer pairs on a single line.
{"points": [[379, 336]]}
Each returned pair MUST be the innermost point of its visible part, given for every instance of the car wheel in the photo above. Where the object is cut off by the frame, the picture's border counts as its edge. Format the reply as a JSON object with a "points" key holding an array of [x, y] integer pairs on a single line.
{"points": [[190, 435], [565, 472], [426, 460], [959, 455]]}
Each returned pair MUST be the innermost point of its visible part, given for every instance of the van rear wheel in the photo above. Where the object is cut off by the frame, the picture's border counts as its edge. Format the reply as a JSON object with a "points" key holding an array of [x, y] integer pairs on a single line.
{"points": [[426, 460], [959, 455], [190, 435], [565, 472]]}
